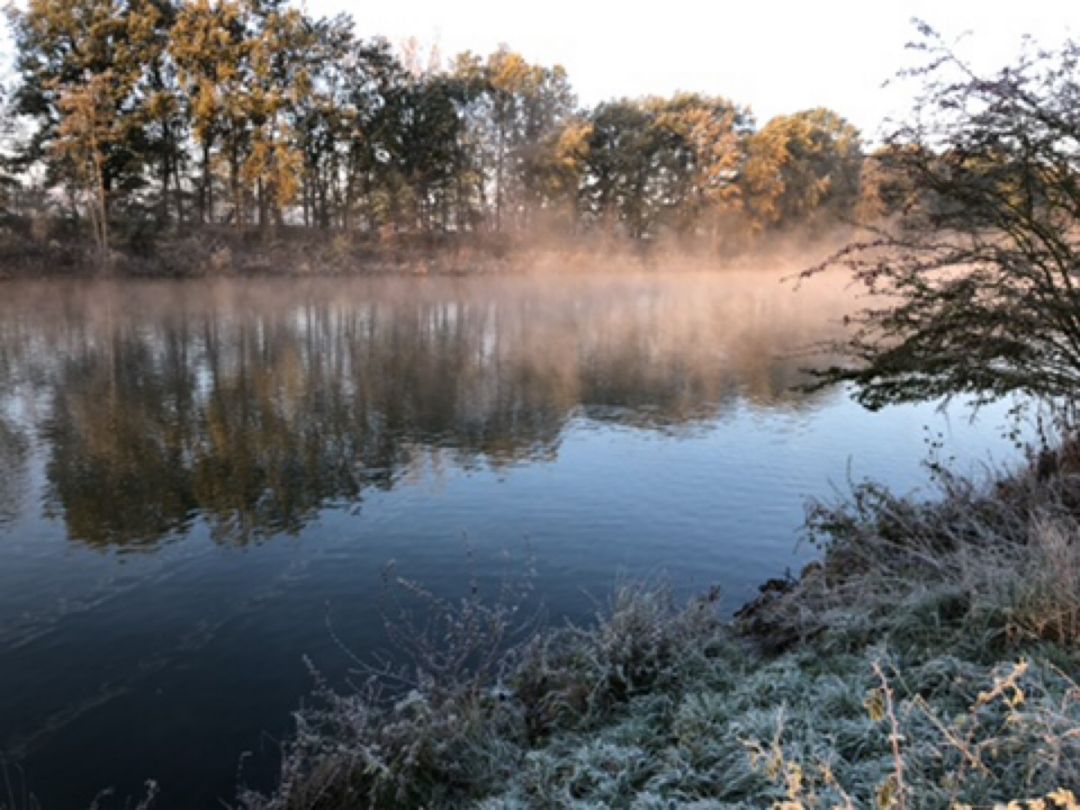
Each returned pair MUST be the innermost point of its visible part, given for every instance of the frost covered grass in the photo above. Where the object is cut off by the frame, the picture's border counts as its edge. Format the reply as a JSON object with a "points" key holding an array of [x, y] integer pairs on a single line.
{"points": [[930, 660]]}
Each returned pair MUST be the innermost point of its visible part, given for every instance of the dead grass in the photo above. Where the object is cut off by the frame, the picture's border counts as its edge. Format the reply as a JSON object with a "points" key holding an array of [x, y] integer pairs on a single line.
{"points": [[997, 562]]}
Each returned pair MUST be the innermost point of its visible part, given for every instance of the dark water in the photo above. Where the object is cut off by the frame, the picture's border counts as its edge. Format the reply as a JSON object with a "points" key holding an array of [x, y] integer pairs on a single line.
{"points": [[195, 479]]}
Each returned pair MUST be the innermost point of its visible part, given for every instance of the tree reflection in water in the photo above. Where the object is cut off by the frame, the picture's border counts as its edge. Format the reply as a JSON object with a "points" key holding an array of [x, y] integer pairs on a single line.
{"points": [[253, 405]]}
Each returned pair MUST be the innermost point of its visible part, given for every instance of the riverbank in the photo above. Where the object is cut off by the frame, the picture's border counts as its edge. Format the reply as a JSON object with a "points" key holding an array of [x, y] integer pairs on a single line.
{"points": [[929, 660], [219, 251]]}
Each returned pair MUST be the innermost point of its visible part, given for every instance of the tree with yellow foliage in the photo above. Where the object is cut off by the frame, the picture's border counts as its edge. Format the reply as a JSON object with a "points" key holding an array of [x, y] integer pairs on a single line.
{"points": [[82, 65], [800, 168]]}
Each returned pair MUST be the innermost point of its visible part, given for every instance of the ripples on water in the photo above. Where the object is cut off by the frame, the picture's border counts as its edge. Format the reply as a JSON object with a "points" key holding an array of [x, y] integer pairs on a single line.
{"points": [[195, 477]]}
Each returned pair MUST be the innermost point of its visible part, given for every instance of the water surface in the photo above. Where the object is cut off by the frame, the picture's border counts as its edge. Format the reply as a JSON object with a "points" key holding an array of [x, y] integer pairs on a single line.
{"points": [[196, 479]]}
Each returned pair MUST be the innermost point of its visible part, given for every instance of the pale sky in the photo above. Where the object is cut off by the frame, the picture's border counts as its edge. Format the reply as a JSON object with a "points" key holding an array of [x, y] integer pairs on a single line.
{"points": [[778, 56]]}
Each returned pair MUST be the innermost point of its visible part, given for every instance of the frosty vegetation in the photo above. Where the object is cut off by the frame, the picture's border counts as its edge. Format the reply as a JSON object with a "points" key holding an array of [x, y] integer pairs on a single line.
{"points": [[928, 661]]}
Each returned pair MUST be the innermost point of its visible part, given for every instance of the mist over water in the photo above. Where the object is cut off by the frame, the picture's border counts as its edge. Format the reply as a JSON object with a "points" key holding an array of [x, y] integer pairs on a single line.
{"points": [[196, 477]]}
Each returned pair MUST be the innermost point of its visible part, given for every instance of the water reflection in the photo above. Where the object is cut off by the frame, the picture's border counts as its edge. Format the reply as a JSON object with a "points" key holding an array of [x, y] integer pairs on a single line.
{"points": [[13, 458], [251, 406]]}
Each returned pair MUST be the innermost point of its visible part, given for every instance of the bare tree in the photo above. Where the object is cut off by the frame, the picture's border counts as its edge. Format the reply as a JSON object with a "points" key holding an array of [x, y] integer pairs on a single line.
{"points": [[975, 278]]}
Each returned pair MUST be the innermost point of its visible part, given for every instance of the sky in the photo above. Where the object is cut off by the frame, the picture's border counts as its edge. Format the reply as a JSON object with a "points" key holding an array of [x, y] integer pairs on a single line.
{"points": [[775, 55]]}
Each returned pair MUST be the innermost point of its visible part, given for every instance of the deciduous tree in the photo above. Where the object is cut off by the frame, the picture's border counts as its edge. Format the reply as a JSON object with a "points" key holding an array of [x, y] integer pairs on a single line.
{"points": [[800, 167]]}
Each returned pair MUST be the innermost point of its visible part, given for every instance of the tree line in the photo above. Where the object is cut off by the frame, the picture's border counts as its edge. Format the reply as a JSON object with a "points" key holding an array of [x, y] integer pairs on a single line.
{"points": [[169, 114]]}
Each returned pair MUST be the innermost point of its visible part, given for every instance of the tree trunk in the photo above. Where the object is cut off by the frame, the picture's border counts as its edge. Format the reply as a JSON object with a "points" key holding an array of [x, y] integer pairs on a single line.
{"points": [[100, 216], [499, 178], [234, 182], [163, 205], [206, 194], [178, 193]]}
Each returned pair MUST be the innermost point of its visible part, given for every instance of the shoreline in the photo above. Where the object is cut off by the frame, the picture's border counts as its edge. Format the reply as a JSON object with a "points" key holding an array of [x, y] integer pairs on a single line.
{"points": [[930, 659], [217, 252]]}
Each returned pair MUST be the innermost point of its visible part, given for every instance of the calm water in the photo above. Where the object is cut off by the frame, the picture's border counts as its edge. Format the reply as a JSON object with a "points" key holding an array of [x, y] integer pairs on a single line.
{"points": [[196, 479]]}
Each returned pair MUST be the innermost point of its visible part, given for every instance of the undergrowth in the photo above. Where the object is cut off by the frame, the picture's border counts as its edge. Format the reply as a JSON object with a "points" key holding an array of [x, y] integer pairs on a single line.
{"points": [[929, 661]]}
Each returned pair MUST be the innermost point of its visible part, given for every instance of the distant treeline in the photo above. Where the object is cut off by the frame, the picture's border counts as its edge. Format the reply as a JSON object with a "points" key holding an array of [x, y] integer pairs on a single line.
{"points": [[152, 116]]}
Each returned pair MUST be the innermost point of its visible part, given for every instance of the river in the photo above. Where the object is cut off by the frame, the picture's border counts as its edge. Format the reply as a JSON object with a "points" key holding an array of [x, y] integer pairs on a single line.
{"points": [[203, 485]]}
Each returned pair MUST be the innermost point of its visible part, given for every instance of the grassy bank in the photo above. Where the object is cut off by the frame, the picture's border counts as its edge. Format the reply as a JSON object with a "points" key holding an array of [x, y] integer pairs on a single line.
{"points": [[929, 661]]}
